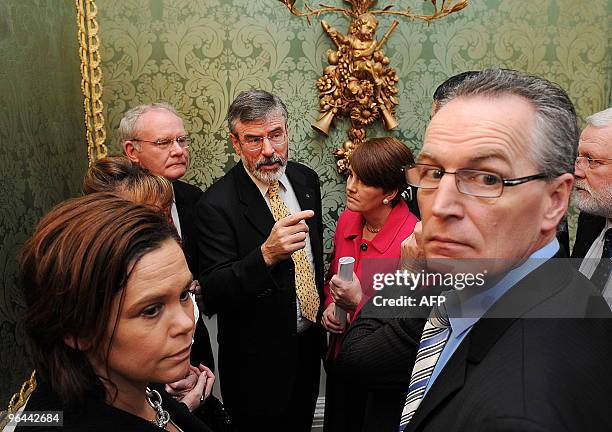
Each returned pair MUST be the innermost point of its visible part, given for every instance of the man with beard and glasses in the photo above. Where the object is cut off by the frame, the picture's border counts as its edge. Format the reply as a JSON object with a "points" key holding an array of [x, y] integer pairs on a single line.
{"points": [[261, 268], [593, 196]]}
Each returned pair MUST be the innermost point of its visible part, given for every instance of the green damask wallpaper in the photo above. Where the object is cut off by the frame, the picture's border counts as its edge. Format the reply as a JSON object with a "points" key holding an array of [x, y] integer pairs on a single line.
{"points": [[42, 152], [198, 54]]}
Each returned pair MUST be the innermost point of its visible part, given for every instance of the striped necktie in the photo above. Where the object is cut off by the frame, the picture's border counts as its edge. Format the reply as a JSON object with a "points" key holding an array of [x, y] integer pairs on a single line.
{"points": [[602, 272], [434, 337], [305, 286]]}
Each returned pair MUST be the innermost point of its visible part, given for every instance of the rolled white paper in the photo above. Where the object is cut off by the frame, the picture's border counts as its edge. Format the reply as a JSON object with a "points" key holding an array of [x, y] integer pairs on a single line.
{"points": [[345, 272]]}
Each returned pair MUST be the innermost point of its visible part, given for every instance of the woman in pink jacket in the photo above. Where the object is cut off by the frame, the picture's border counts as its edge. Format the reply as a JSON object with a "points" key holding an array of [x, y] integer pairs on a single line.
{"points": [[370, 230]]}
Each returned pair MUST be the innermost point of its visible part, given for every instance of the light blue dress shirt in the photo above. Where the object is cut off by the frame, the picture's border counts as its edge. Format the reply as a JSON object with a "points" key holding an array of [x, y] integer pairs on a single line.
{"points": [[463, 315]]}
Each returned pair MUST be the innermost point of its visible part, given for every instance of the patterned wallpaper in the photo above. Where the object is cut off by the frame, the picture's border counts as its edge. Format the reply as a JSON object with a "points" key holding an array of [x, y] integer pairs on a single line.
{"points": [[42, 152], [199, 54]]}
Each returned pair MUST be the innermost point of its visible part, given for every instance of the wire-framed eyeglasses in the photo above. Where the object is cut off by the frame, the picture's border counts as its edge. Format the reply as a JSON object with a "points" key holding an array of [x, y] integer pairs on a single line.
{"points": [[477, 183], [183, 142], [255, 143], [583, 162]]}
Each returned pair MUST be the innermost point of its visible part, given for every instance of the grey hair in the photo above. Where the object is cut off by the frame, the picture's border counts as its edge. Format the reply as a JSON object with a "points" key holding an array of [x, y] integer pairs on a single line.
{"points": [[601, 119], [127, 125], [555, 134], [254, 105]]}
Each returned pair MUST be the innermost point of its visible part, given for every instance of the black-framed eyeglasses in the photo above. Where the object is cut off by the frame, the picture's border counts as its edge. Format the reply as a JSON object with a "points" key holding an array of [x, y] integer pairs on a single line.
{"points": [[477, 183], [183, 142], [584, 161], [255, 143]]}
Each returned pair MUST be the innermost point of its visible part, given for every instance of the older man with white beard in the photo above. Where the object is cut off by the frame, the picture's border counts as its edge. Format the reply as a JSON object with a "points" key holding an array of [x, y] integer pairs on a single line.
{"points": [[593, 196], [261, 268]]}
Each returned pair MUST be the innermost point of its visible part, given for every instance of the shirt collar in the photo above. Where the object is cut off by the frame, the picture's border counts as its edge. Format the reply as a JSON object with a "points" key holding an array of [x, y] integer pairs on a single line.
{"points": [[463, 315]]}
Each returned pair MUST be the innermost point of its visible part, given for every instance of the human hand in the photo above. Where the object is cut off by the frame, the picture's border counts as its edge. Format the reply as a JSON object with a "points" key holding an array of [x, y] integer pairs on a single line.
{"points": [[346, 294], [181, 387], [288, 235], [200, 391], [329, 320], [413, 254]]}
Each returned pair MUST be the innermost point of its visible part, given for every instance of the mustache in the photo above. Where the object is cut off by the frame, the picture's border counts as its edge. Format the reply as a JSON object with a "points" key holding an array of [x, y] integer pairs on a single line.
{"points": [[270, 161], [582, 185]]}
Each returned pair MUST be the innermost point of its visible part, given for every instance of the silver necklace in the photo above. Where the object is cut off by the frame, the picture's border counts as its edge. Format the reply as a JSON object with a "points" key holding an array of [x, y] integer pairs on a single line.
{"points": [[162, 417]]}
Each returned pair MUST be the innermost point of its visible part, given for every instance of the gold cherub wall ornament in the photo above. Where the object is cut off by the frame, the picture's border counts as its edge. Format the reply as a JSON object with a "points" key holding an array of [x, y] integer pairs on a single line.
{"points": [[359, 82]]}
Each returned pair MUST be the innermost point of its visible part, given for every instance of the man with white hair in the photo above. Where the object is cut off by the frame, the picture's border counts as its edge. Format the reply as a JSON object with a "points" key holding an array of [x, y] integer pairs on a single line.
{"points": [[153, 136], [593, 196]]}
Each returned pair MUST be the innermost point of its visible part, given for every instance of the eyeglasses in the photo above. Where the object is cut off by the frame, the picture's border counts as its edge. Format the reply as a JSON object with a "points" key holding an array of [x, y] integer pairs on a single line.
{"points": [[255, 143], [470, 182], [583, 161], [183, 142]]}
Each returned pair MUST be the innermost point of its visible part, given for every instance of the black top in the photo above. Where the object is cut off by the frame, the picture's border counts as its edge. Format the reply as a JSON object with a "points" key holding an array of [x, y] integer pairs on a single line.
{"points": [[98, 416]]}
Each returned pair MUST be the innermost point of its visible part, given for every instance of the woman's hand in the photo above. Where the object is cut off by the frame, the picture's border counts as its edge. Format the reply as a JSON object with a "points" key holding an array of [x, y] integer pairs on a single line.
{"points": [[346, 294], [193, 389], [329, 320]]}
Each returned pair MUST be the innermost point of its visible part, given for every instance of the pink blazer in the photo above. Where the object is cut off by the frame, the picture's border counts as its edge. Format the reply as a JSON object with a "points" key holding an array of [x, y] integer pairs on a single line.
{"points": [[381, 255]]}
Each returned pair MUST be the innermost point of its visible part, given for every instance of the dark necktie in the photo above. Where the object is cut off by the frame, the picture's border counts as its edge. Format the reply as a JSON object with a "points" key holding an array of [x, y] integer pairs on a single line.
{"points": [[602, 272]]}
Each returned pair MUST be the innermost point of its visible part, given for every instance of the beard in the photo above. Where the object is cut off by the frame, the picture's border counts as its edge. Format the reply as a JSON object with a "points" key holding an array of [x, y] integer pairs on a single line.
{"points": [[598, 203], [267, 177]]}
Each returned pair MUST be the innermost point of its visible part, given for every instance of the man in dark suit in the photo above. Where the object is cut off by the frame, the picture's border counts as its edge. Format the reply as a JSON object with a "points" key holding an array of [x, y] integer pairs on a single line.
{"points": [[593, 196], [154, 137], [261, 271], [525, 349]]}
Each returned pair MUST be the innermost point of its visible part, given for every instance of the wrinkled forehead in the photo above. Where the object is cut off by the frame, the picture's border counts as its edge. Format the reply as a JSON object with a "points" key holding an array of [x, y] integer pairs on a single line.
{"points": [[479, 128], [596, 139], [158, 120], [267, 124]]}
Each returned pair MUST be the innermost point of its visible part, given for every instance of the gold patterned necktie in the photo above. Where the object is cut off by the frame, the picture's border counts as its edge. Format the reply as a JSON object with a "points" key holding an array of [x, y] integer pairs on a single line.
{"points": [[305, 286]]}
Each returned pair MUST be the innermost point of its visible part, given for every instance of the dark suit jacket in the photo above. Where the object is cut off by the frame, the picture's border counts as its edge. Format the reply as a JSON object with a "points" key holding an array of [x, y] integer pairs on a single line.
{"points": [[589, 227], [255, 306], [531, 364], [525, 366], [378, 352], [186, 197], [97, 416]]}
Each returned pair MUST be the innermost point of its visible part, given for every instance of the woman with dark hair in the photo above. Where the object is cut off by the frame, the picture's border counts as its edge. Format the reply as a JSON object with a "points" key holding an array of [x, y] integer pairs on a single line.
{"points": [[370, 230], [108, 311], [117, 174]]}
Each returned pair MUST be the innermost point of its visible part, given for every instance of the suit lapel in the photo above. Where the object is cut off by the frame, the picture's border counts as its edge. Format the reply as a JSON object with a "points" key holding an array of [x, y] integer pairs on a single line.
{"points": [[305, 195], [535, 288], [256, 210], [450, 381], [181, 207], [589, 227]]}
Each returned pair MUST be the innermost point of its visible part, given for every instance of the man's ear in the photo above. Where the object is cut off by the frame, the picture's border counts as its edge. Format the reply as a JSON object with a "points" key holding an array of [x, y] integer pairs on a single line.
{"points": [[131, 149], [559, 193], [236, 144]]}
